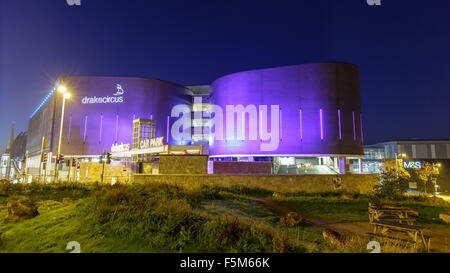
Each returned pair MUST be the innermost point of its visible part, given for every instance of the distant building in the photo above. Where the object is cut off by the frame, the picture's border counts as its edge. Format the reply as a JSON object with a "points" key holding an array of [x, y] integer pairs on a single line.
{"points": [[11, 165], [417, 153]]}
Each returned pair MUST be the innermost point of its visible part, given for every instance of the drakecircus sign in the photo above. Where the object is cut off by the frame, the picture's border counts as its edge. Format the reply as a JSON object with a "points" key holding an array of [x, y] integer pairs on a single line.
{"points": [[120, 147], [118, 98], [108, 99]]}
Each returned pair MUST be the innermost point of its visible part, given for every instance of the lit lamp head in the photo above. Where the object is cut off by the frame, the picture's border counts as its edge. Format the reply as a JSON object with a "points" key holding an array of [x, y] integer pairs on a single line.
{"points": [[67, 95], [62, 89]]}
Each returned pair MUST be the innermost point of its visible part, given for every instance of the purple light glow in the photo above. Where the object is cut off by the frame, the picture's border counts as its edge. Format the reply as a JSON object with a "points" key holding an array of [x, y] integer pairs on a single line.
{"points": [[354, 127], [362, 135], [321, 124], [85, 128], [101, 127], [70, 126], [340, 128], [168, 126], [117, 126], [301, 124]]}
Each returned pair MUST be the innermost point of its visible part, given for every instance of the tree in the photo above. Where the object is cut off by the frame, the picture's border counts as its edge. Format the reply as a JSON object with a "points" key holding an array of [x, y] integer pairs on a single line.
{"points": [[425, 177], [394, 179]]}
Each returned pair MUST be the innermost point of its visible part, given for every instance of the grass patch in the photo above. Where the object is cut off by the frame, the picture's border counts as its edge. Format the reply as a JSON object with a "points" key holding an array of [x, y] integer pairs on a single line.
{"points": [[337, 209], [332, 209], [159, 217]]}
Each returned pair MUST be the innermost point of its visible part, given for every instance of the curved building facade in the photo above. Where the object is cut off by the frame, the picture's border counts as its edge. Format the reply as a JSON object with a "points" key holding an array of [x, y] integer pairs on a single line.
{"points": [[293, 116], [319, 110], [101, 111]]}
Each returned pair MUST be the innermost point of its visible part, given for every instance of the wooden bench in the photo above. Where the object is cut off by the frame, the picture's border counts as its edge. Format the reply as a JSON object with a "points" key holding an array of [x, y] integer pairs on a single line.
{"points": [[395, 214], [414, 232]]}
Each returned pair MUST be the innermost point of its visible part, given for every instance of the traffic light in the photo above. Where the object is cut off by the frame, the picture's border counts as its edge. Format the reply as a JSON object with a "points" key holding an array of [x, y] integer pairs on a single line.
{"points": [[108, 158], [78, 165], [74, 162], [44, 157], [60, 159]]}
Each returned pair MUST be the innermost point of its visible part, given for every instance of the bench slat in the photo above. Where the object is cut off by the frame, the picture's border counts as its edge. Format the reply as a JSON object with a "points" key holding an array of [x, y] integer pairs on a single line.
{"points": [[390, 237], [397, 225]]}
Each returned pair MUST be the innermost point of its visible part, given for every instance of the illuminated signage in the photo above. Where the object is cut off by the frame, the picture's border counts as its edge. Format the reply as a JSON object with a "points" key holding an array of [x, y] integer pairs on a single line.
{"points": [[145, 144], [412, 165], [154, 142], [115, 148], [117, 97]]}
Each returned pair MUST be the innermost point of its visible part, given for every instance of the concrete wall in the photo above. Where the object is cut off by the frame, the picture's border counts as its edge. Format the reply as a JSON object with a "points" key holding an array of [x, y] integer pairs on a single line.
{"points": [[231, 167], [183, 164], [91, 172], [362, 184]]}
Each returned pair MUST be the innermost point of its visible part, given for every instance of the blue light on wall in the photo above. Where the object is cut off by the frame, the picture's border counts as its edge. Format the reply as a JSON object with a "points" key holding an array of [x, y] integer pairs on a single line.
{"points": [[49, 95], [44, 101]]}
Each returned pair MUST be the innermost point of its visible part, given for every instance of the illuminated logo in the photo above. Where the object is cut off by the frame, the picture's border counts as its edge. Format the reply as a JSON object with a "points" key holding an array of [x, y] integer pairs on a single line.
{"points": [[412, 165], [120, 90], [118, 98]]}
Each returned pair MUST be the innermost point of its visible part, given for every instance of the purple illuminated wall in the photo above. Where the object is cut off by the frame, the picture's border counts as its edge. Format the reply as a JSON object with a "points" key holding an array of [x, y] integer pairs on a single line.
{"points": [[95, 127], [305, 93]]}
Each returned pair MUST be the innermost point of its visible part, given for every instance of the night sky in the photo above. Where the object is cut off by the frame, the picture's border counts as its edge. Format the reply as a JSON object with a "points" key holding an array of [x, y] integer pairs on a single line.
{"points": [[401, 47]]}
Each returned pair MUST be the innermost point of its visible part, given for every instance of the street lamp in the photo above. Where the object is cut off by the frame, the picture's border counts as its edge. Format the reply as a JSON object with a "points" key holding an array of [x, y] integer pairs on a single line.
{"points": [[396, 161], [436, 167], [66, 95]]}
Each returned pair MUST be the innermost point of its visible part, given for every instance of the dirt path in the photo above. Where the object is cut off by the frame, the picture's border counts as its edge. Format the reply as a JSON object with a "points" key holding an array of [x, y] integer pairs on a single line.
{"points": [[440, 241]]}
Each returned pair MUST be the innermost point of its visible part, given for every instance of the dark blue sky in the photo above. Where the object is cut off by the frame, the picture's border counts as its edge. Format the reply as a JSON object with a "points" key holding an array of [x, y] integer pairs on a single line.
{"points": [[401, 47]]}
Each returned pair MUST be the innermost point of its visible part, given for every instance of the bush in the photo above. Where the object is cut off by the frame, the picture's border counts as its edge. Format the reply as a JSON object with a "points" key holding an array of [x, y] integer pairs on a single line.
{"points": [[162, 217], [230, 234], [291, 219]]}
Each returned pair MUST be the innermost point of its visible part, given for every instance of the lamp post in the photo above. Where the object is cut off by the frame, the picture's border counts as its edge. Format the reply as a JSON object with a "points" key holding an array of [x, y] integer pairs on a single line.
{"points": [[396, 161], [61, 89], [436, 167]]}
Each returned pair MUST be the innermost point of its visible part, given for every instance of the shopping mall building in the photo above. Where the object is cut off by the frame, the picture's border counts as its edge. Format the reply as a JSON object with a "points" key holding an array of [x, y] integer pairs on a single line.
{"points": [[302, 118]]}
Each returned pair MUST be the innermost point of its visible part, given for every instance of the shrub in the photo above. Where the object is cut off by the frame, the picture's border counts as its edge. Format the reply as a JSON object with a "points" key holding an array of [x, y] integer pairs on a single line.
{"points": [[291, 219], [118, 194], [229, 233], [280, 243]]}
